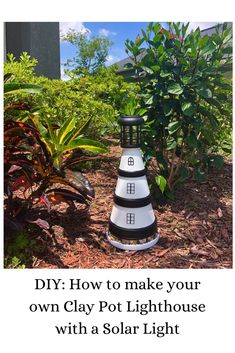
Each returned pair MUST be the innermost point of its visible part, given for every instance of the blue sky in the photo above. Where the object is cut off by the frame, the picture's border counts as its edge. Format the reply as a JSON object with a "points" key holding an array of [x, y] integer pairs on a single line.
{"points": [[117, 32]]}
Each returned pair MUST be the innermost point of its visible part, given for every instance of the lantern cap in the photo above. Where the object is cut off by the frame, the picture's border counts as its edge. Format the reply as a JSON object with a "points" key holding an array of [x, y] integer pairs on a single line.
{"points": [[130, 120]]}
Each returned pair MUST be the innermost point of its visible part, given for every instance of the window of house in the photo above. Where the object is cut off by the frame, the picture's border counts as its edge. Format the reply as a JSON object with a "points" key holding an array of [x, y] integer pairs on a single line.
{"points": [[130, 218], [130, 188], [130, 161]]}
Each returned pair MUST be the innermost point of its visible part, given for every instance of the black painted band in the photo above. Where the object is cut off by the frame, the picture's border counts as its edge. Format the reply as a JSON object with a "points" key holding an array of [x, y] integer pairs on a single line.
{"points": [[134, 234], [137, 173], [128, 145], [131, 120], [132, 203]]}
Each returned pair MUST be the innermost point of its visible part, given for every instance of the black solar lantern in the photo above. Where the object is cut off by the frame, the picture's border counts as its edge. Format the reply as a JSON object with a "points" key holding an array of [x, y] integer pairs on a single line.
{"points": [[132, 224], [131, 131]]}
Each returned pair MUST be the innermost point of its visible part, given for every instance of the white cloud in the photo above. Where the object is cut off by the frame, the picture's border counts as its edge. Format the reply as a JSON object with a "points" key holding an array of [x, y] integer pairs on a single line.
{"points": [[78, 26], [105, 32], [201, 25], [111, 59]]}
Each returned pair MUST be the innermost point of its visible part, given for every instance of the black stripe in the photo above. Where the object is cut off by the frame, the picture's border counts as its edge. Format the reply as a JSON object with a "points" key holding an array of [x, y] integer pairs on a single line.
{"points": [[138, 233], [137, 173], [132, 203], [130, 120], [128, 145]]}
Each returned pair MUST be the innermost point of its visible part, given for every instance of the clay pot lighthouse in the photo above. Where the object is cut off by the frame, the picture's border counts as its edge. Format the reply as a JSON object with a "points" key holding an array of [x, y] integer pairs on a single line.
{"points": [[132, 224]]}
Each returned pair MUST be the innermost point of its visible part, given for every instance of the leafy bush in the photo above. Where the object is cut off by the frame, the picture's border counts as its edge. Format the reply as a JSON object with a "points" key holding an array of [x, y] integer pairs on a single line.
{"points": [[30, 176], [21, 249], [18, 97], [186, 96], [37, 166], [23, 69], [98, 96], [34, 161]]}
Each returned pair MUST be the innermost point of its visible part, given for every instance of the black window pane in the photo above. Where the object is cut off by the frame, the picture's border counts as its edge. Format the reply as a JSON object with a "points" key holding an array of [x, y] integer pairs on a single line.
{"points": [[130, 188], [130, 218]]}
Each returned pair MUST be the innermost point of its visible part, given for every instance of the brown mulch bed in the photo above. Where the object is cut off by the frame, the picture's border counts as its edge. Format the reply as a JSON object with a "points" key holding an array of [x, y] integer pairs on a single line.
{"points": [[195, 229]]}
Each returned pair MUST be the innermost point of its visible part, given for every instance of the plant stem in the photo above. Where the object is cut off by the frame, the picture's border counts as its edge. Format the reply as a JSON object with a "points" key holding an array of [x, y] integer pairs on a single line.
{"points": [[171, 169]]}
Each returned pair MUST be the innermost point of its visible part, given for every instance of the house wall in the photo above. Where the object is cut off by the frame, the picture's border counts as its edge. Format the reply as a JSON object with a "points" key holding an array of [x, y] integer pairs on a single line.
{"points": [[40, 40]]}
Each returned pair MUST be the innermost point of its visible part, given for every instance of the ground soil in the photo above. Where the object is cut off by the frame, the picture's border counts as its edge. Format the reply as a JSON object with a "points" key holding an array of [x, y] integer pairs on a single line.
{"points": [[195, 229]]}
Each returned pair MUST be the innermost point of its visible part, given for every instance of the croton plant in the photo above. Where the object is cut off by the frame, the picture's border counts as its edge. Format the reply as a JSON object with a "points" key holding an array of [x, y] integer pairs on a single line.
{"points": [[37, 161]]}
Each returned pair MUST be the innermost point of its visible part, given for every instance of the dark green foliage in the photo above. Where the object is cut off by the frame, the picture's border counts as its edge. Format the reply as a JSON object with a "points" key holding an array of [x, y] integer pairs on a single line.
{"points": [[21, 249], [187, 98]]}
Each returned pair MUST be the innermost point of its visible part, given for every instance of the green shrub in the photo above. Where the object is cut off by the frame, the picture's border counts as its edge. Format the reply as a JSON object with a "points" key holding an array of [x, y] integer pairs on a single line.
{"points": [[37, 158], [98, 96], [187, 99], [20, 250], [23, 70], [32, 168]]}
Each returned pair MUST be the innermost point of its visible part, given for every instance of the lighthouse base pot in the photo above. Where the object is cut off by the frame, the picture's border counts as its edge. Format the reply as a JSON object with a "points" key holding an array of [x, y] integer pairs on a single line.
{"points": [[134, 245]]}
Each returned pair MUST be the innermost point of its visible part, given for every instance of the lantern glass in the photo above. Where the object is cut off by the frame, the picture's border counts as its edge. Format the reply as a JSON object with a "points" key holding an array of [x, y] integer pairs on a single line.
{"points": [[131, 136], [131, 131]]}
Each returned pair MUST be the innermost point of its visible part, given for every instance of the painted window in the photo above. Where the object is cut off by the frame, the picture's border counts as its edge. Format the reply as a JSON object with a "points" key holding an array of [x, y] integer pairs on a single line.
{"points": [[130, 189], [130, 161], [130, 218]]}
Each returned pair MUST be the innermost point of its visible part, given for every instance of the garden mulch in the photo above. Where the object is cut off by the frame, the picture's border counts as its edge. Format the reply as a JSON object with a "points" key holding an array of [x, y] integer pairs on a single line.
{"points": [[195, 229]]}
